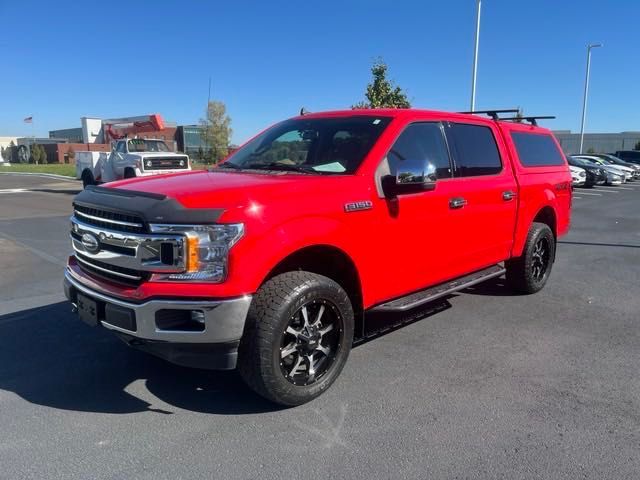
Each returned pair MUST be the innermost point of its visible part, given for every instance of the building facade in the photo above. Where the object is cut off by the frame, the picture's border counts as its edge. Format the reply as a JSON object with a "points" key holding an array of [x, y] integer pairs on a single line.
{"points": [[72, 135], [597, 142]]}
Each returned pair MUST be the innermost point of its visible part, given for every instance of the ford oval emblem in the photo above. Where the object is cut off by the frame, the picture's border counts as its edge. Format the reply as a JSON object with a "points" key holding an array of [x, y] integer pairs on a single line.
{"points": [[90, 243]]}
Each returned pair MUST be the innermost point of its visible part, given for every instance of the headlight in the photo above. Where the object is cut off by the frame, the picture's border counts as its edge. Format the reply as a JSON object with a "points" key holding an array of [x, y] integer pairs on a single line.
{"points": [[206, 250], [148, 163]]}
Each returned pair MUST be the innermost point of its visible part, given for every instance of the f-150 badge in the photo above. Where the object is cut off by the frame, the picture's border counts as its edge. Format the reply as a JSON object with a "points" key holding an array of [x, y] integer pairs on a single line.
{"points": [[355, 206]]}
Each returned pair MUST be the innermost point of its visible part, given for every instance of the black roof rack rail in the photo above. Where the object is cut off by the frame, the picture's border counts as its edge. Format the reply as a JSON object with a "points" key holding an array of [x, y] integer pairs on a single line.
{"points": [[493, 113], [530, 119]]}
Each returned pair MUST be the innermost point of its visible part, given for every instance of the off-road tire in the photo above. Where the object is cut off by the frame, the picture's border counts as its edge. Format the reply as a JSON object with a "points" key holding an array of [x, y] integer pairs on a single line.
{"points": [[521, 271], [272, 309]]}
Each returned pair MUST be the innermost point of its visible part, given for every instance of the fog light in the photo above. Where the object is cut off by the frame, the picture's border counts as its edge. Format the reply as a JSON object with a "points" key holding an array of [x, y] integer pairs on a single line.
{"points": [[197, 316]]}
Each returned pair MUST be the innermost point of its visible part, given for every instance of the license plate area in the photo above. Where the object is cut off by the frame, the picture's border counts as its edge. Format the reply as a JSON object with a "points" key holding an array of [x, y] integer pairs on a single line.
{"points": [[87, 310]]}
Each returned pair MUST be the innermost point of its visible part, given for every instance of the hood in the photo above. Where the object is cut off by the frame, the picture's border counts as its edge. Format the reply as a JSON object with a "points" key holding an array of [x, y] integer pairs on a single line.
{"points": [[158, 154], [239, 190]]}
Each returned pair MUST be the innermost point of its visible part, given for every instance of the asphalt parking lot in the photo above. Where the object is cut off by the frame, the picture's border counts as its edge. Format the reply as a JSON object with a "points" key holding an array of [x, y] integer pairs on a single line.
{"points": [[493, 386]]}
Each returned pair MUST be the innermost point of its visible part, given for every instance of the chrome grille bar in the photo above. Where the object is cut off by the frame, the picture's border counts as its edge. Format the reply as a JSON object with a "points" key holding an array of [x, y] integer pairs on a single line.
{"points": [[108, 271], [106, 220]]}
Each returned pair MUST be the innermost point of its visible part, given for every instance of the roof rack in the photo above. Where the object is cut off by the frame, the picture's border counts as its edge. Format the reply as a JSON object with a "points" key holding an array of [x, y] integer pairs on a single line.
{"points": [[493, 113], [531, 120]]}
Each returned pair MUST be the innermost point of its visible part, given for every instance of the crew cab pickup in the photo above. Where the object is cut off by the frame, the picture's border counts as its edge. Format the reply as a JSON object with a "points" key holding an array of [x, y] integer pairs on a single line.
{"points": [[279, 259], [134, 157]]}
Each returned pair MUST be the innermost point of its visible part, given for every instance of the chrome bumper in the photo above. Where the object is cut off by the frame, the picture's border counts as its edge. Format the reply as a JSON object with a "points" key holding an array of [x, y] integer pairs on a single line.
{"points": [[223, 319]]}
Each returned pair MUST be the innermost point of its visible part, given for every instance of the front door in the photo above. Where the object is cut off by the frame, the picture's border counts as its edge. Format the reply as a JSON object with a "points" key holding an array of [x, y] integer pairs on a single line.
{"points": [[416, 236]]}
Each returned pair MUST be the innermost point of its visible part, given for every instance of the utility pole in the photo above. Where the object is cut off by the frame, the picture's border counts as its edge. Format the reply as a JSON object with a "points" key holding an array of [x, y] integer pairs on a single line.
{"points": [[586, 92], [475, 59]]}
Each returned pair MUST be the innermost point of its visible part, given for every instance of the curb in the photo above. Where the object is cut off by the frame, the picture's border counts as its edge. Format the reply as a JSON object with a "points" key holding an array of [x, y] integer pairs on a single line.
{"points": [[49, 175]]}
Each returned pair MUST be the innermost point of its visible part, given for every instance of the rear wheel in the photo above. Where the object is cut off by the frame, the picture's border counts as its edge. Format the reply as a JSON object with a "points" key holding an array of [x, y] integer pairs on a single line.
{"points": [[297, 338], [530, 272]]}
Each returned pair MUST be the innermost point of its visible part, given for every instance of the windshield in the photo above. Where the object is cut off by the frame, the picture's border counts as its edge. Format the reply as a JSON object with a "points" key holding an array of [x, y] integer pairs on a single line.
{"points": [[316, 145], [143, 145], [581, 162]]}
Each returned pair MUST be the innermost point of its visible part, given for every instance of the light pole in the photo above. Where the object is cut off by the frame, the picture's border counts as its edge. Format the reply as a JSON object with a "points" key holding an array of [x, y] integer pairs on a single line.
{"points": [[475, 59], [586, 92]]}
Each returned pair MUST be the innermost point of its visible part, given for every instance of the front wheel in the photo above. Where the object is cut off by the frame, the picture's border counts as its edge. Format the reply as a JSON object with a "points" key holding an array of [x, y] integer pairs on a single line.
{"points": [[297, 338], [529, 273]]}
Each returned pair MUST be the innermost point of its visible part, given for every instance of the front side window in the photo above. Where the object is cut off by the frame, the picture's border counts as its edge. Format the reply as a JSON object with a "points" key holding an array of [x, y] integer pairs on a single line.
{"points": [[422, 142], [120, 147], [475, 150], [536, 149], [313, 145]]}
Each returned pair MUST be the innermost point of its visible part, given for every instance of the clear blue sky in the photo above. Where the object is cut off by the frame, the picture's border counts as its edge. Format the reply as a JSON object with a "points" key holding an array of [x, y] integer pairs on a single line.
{"points": [[65, 59]]}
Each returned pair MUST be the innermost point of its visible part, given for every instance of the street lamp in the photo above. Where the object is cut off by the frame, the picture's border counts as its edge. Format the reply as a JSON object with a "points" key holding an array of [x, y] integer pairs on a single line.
{"points": [[475, 59], [586, 91]]}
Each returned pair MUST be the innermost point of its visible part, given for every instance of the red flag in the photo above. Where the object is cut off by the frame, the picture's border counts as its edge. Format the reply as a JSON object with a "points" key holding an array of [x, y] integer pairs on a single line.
{"points": [[28, 120]]}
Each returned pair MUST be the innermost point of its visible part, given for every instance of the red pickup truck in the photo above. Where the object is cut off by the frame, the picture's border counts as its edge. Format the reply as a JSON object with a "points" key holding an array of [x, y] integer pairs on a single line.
{"points": [[275, 261]]}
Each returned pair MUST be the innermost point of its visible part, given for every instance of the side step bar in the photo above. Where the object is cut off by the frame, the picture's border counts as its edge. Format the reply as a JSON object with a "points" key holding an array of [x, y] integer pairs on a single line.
{"points": [[414, 300]]}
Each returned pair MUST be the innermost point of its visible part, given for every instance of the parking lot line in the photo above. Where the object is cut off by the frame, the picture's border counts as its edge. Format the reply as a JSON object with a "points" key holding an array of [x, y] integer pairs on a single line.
{"points": [[587, 193], [605, 191]]}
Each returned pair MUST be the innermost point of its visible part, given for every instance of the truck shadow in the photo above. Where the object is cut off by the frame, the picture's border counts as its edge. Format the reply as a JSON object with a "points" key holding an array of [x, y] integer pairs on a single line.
{"points": [[48, 357], [495, 287]]}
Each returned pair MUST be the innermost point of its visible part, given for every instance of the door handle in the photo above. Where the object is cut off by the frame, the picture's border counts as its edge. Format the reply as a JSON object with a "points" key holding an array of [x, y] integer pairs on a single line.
{"points": [[508, 195], [457, 202]]}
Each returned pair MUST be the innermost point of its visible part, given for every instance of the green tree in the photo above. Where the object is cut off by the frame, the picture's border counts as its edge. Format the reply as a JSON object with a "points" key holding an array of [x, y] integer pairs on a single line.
{"points": [[637, 147], [591, 150], [71, 155], [36, 153], [43, 155], [382, 93], [216, 131]]}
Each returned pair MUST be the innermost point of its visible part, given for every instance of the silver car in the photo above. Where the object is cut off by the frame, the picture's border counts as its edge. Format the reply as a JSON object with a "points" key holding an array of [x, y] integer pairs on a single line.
{"points": [[613, 172]]}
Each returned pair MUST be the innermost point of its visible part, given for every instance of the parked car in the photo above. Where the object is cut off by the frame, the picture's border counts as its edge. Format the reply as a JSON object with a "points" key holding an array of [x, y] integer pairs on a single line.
{"points": [[275, 261], [595, 174], [615, 176], [578, 176], [613, 160], [631, 156], [626, 172], [133, 157]]}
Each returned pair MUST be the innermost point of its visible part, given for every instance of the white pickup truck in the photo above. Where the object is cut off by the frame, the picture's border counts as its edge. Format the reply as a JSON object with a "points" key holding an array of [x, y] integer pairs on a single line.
{"points": [[133, 157]]}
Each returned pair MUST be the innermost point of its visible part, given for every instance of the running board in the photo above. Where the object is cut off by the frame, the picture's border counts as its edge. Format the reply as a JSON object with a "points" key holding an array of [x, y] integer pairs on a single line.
{"points": [[414, 300]]}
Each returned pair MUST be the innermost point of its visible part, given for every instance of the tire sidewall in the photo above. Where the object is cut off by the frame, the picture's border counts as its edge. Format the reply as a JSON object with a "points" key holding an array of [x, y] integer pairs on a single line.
{"points": [[321, 288], [540, 231]]}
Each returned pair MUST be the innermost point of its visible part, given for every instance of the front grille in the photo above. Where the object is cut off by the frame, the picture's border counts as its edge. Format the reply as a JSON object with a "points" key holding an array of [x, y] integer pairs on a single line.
{"points": [[110, 220], [114, 273], [165, 163]]}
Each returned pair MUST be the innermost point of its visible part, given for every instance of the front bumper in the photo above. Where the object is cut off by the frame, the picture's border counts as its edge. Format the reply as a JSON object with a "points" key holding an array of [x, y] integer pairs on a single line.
{"points": [[141, 325]]}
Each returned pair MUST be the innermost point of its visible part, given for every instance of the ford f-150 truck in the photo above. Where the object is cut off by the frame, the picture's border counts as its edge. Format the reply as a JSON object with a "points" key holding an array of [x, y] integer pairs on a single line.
{"points": [[276, 261]]}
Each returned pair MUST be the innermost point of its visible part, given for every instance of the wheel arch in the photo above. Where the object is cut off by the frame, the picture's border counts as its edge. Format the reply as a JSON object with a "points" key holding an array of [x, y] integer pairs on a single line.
{"points": [[545, 214], [327, 260]]}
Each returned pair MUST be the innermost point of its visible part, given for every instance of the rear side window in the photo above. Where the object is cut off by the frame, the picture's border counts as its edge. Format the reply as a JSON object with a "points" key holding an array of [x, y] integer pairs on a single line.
{"points": [[421, 141], [537, 150], [475, 150]]}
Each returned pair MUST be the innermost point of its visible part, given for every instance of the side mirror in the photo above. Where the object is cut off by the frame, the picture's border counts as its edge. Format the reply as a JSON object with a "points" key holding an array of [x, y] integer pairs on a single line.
{"points": [[413, 176]]}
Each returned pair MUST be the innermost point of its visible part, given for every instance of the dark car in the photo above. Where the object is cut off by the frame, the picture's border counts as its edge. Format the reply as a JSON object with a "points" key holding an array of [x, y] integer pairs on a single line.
{"points": [[613, 160], [631, 156], [595, 174]]}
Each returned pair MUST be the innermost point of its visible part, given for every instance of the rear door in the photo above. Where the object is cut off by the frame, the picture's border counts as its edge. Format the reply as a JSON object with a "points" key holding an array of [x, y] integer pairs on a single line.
{"points": [[483, 198]]}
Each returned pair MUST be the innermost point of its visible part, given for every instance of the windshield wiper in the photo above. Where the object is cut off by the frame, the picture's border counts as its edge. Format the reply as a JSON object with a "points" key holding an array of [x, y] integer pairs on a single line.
{"points": [[229, 165], [281, 166]]}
